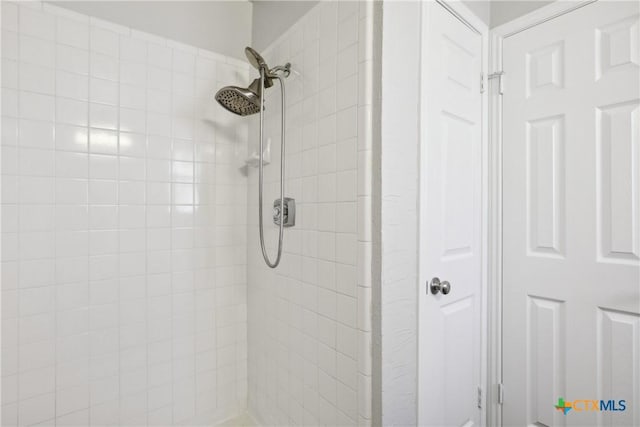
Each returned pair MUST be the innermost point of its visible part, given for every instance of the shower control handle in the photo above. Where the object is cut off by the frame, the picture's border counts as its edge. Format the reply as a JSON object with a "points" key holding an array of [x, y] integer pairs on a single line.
{"points": [[288, 212], [437, 286]]}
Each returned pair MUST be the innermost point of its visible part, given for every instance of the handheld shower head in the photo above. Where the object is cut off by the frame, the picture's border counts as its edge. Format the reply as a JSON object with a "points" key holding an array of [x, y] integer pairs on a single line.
{"points": [[255, 58], [259, 63]]}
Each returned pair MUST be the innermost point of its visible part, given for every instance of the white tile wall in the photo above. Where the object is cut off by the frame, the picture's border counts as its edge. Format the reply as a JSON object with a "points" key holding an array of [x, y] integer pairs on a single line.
{"points": [[123, 226], [310, 319]]}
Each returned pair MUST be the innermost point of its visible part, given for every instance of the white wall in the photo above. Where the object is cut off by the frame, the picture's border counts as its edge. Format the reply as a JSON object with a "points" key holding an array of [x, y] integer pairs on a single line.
{"points": [[218, 26], [123, 227], [399, 200], [274, 18], [310, 319]]}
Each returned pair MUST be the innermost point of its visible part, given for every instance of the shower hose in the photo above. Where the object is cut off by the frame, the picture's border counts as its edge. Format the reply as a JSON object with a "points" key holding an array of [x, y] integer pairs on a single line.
{"points": [[275, 263]]}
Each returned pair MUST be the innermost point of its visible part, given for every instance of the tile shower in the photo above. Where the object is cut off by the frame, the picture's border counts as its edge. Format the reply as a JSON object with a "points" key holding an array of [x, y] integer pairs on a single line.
{"points": [[133, 287], [309, 323], [123, 227]]}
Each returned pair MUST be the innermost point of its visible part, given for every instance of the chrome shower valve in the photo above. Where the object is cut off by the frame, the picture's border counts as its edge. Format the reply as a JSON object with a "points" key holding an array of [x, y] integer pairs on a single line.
{"points": [[288, 212]]}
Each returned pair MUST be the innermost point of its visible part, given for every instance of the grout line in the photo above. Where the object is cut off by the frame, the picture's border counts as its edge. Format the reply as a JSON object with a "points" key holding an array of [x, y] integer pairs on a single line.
{"points": [[19, 231], [55, 225], [193, 251], [146, 227], [118, 213], [89, 237], [171, 223]]}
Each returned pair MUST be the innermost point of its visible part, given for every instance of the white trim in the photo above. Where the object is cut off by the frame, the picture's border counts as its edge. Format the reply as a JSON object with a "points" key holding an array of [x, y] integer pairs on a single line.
{"points": [[422, 274], [494, 241], [471, 20], [465, 15]]}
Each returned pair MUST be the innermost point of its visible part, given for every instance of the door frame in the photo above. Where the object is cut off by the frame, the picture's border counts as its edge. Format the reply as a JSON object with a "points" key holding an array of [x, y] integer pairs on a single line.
{"points": [[494, 238], [471, 20]]}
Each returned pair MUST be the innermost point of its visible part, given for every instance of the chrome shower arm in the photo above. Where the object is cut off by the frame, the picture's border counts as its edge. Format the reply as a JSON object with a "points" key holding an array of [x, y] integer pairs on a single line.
{"points": [[284, 69]]}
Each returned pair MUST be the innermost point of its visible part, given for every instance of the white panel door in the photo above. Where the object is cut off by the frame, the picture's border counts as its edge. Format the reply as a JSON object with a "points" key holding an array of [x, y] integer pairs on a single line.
{"points": [[571, 236], [451, 215]]}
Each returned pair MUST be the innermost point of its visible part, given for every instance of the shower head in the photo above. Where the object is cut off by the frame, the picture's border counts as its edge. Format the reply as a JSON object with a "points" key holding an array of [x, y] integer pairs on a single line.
{"points": [[239, 100], [260, 64], [246, 101], [255, 58]]}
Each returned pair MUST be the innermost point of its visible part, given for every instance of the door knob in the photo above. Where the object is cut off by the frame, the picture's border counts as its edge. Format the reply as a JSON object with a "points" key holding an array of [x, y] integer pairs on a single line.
{"points": [[437, 286]]}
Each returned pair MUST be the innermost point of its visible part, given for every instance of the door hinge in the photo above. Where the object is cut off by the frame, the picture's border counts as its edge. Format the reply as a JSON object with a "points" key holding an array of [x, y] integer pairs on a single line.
{"points": [[479, 397], [481, 82], [500, 393], [500, 76]]}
